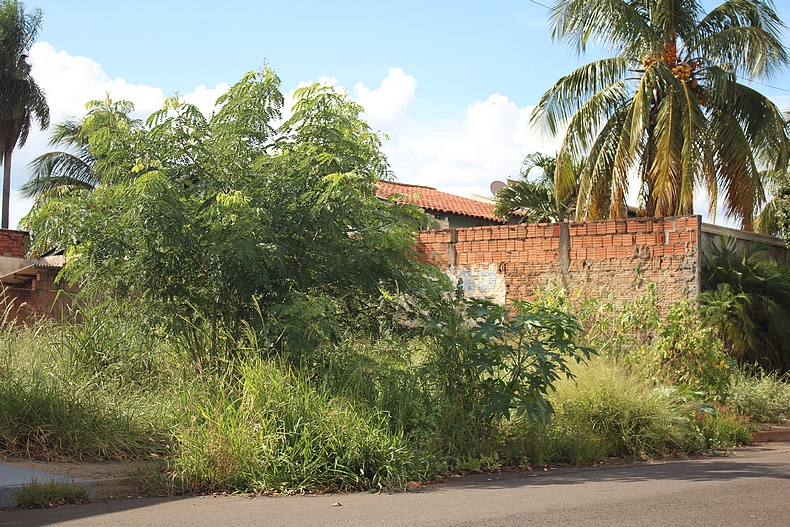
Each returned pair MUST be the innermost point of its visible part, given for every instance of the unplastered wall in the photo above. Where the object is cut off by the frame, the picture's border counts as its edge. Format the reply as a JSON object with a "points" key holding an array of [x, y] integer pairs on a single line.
{"points": [[12, 243], [612, 258]]}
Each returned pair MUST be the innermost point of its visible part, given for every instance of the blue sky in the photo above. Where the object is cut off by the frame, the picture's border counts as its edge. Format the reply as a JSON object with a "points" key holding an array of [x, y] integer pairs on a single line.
{"points": [[451, 83]]}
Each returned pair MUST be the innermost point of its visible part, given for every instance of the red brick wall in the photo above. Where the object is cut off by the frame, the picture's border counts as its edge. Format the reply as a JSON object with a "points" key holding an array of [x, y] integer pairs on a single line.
{"points": [[594, 258], [42, 296], [12, 243]]}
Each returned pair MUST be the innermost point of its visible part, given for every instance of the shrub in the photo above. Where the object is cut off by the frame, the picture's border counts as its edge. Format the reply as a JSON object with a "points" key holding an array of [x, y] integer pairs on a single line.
{"points": [[747, 302], [764, 397]]}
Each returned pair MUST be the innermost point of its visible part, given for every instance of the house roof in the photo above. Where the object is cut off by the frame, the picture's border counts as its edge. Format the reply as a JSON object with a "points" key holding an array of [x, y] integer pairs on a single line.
{"points": [[429, 198]]}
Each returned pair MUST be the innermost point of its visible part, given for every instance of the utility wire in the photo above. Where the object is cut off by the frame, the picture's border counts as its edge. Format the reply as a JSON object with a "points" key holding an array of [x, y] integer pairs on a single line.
{"points": [[541, 5], [767, 85]]}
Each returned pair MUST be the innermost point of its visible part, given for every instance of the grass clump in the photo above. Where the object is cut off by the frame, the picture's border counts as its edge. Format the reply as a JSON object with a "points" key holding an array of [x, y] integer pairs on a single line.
{"points": [[264, 427], [764, 397], [610, 411], [42, 495], [43, 418]]}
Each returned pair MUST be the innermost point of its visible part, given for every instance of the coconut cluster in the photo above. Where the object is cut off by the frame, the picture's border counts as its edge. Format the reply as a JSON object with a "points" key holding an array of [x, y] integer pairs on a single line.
{"points": [[683, 72]]}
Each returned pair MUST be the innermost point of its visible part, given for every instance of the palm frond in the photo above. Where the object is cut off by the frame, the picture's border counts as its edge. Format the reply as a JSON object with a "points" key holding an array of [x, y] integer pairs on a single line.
{"points": [[746, 34], [59, 170], [600, 82], [615, 23]]}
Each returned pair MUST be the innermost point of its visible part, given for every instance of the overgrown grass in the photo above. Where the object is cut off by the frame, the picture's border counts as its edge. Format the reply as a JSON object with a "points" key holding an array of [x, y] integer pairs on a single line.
{"points": [[609, 410], [355, 414], [56, 408], [262, 426], [38, 495]]}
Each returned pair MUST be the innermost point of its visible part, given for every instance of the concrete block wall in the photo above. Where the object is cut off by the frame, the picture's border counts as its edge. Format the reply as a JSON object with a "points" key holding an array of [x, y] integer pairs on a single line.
{"points": [[594, 258]]}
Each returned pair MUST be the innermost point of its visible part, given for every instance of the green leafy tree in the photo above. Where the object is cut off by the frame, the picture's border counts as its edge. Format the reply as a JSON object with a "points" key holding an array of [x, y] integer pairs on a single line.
{"points": [[668, 107], [21, 99], [220, 222], [538, 200]]}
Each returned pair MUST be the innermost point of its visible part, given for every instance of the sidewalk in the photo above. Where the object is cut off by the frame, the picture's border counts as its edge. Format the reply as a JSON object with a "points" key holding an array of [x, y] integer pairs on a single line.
{"points": [[106, 479]]}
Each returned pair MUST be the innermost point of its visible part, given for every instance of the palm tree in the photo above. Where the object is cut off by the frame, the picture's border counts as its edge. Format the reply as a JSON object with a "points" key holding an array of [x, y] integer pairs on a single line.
{"points": [[537, 200], [747, 303], [73, 168], [21, 99], [668, 108], [61, 171]]}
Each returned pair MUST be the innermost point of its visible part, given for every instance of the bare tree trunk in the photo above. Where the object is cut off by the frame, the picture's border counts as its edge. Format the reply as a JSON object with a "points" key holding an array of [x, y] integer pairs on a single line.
{"points": [[6, 186]]}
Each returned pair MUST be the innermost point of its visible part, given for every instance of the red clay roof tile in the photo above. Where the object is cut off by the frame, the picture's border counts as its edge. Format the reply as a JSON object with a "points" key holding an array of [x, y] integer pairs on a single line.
{"points": [[431, 199]]}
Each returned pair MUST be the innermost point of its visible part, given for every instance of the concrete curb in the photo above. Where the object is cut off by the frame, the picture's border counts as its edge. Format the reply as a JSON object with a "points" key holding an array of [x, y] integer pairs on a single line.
{"points": [[775, 433], [103, 482]]}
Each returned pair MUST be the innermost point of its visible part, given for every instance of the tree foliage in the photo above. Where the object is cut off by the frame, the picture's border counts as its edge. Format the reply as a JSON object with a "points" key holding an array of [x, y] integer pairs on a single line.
{"points": [[21, 99], [239, 217], [668, 107]]}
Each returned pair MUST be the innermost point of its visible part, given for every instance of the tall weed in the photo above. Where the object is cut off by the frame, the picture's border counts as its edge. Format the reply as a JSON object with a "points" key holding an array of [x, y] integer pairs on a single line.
{"points": [[765, 397], [262, 426]]}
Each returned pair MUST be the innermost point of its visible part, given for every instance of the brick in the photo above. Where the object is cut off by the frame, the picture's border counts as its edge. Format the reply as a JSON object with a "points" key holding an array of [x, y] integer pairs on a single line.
{"points": [[577, 229]]}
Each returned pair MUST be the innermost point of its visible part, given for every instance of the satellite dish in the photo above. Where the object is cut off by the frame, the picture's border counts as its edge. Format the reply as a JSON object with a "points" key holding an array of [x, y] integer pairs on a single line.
{"points": [[496, 186]]}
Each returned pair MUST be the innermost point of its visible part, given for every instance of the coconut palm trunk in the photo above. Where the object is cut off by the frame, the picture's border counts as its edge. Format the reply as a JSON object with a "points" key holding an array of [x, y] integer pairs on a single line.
{"points": [[6, 187], [21, 99], [9, 134]]}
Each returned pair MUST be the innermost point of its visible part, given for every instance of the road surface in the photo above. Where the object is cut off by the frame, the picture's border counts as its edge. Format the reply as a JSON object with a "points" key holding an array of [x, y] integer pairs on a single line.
{"points": [[751, 487]]}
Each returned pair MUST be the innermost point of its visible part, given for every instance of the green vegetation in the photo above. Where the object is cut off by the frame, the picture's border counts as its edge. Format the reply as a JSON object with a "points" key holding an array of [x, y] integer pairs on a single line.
{"points": [[462, 391], [537, 200], [765, 397], [37, 495], [747, 304]]}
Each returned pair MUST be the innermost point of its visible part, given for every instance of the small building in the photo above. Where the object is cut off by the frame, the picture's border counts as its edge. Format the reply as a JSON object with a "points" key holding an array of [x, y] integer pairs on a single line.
{"points": [[29, 286]]}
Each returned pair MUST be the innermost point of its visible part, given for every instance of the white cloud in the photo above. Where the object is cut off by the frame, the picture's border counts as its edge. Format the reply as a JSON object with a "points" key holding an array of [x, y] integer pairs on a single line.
{"points": [[465, 157], [69, 82], [386, 105]]}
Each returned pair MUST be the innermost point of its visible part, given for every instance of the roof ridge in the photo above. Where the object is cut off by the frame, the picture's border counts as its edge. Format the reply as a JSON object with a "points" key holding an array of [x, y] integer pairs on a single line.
{"points": [[407, 185]]}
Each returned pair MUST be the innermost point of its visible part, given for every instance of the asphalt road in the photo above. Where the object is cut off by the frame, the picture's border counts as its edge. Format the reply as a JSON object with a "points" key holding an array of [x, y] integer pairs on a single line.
{"points": [[751, 487]]}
